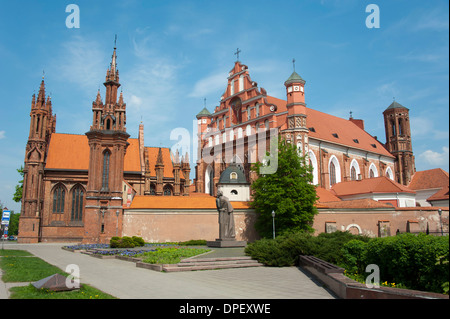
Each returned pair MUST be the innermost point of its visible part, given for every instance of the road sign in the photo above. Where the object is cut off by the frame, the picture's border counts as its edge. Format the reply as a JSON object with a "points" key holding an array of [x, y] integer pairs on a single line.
{"points": [[5, 217]]}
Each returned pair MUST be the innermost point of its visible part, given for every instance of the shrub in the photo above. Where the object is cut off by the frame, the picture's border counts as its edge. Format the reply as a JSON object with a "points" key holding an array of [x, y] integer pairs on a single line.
{"points": [[138, 241], [285, 250], [354, 256], [193, 242], [411, 260], [126, 242]]}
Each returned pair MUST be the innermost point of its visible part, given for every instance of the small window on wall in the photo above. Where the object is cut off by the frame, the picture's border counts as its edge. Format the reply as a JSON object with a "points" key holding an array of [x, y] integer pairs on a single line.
{"points": [[167, 190]]}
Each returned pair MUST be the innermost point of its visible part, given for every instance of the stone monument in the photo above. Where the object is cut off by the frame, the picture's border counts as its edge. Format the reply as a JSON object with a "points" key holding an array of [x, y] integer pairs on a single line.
{"points": [[227, 232]]}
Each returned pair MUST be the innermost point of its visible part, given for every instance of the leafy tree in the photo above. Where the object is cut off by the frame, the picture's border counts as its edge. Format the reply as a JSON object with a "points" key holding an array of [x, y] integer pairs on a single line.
{"points": [[288, 191], [19, 188]]}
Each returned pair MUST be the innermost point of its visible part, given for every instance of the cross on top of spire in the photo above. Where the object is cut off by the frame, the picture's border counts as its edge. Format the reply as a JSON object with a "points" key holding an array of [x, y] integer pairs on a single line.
{"points": [[293, 63], [237, 54]]}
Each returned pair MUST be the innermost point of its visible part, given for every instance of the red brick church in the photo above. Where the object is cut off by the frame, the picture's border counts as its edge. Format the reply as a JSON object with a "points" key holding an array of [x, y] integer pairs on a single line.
{"points": [[74, 185]]}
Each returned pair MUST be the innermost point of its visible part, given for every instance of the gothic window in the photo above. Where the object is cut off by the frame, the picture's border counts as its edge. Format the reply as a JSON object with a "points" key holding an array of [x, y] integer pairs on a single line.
{"points": [[167, 190], [335, 170], [393, 128], [400, 126], [232, 87], [354, 170], [353, 173], [58, 199], [332, 174], [77, 203], [152, 189], [373, 172], [105, 176]]}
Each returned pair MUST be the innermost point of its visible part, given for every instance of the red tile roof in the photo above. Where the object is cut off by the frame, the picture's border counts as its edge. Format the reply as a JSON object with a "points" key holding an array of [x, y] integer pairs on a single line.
{"points": [[70, 151], [325, 125], [193, 201], [442, 194], [381, 184], [355, 204], [432, 178]]}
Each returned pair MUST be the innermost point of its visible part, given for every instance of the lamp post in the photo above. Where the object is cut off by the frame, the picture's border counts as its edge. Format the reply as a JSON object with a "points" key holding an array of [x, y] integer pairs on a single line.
{"points": [[273, 223], [440, 220]]}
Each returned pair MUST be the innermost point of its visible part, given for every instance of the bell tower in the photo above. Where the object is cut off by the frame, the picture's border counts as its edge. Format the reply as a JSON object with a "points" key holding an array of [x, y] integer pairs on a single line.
{"points": [[42, 125], [398, 141], [107, 140], [297, 131]]}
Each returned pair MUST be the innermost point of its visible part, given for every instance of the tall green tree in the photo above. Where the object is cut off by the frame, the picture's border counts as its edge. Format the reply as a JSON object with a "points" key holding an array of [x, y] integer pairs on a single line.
{"points": [[19, 188], [288, 191]]}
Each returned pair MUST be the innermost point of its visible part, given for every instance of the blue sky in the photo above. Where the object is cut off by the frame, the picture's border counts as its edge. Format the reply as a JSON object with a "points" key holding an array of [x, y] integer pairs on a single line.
{"points": [[173, 54]]}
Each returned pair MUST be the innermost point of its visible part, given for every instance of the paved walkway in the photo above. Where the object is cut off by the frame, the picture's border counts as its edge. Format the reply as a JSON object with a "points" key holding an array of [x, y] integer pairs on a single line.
{"points": [[124, 280]]}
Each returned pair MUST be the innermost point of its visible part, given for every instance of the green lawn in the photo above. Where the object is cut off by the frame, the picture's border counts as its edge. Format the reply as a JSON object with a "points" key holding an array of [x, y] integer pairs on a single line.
{"points": [[21, 266], [85, 292]]}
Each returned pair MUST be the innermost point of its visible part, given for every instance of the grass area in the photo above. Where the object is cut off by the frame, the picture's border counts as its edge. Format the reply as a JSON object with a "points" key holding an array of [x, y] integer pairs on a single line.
{"points": [[171, 255], [85, 292], [9, 252], [22, 269], [22, 266]]}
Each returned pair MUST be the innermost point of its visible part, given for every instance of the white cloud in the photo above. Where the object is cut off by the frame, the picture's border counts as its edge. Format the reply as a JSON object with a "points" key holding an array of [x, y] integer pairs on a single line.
{"points": [[209, 84], [435, 158], [2, 135], [425, 128], [81, 62]]}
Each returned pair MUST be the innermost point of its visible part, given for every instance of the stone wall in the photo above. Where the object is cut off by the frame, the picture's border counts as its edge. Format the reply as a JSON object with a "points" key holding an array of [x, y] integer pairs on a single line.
{"points": [[157, 225]]}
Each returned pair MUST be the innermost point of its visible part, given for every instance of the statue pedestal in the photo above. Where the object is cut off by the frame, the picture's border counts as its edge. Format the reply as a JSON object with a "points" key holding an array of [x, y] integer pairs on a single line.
{"points": [[223, 243]]}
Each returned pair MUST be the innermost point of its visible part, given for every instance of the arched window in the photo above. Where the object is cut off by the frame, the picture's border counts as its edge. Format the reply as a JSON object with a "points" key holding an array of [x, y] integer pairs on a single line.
{"points": [[209, 175], [354, 170], [389, 173], [248, 130], [373, 172], [313, 163], [59, 195], [105, 176], [77, 203], [240, 133], [167, 190], [353, 175], [335, 170], [332, 174]]}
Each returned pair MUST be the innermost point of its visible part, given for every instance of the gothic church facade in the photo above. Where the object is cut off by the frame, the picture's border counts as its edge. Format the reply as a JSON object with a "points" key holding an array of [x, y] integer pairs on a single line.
{"points": [[76, 186]]}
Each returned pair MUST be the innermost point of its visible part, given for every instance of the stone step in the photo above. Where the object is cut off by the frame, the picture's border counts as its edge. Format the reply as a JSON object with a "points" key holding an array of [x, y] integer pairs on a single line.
{"points": [[192, 264], [187, 260], [174, 268]]}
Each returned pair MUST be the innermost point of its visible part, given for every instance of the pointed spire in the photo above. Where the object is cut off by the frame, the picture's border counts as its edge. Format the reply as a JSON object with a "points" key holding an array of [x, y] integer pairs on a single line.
{"points": [[41, 94], [159, 160], [98, 99]]}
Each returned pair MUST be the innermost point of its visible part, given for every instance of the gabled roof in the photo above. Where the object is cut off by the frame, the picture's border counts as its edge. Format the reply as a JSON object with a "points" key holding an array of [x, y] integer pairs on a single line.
{"points": [[432, 178], [381, 184]]}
